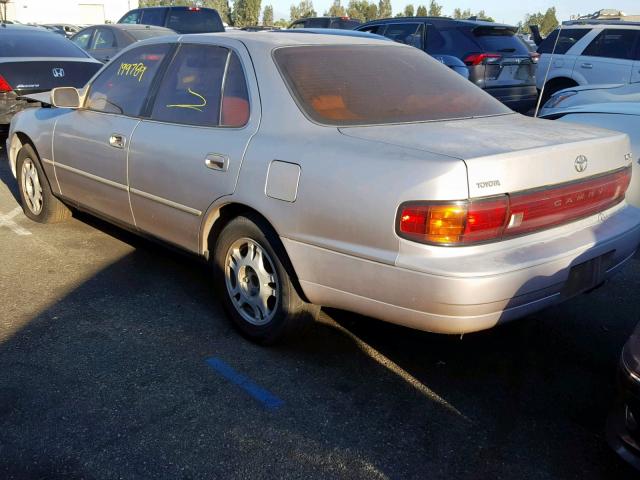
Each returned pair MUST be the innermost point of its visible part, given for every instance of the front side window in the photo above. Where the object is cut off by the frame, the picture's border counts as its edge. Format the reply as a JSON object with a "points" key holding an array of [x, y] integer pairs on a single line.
{"points": [[372, 29], [122, 87], [614, 43], [407, 33], [365, 85]]}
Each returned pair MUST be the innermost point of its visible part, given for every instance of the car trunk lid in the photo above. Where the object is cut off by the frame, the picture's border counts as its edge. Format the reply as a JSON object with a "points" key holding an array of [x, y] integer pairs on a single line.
{"points": [[40, 75], [511, 153]]}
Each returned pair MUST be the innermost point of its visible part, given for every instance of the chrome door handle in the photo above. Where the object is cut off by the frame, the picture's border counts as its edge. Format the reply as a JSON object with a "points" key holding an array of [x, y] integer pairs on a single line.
{"points": [[116, 140], [587, 65], [216, 161]]}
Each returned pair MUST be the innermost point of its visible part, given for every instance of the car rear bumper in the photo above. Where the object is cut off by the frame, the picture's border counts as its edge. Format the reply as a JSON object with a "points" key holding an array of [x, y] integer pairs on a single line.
{"points": [[520, 98], [458, 290]]}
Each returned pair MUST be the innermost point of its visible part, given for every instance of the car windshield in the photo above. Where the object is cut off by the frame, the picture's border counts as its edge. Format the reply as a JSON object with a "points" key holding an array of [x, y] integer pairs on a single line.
{"points": [[38, 44], [346, 85]]}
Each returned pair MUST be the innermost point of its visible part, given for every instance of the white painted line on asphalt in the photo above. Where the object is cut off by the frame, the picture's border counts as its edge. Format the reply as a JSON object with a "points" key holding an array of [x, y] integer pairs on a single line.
{"points": [[7, 221]]}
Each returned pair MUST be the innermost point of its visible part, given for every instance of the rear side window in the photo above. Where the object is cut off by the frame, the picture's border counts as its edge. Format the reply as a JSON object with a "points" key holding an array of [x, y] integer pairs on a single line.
{"points": [[362, 85], [83, 38], [378, 29], [37, 44], [568, 38], [194, 20], [122, 87], [103, 39], [407, 33], [500, 40], [154, 16], [614, 43], [192, 91], [132, 17]]}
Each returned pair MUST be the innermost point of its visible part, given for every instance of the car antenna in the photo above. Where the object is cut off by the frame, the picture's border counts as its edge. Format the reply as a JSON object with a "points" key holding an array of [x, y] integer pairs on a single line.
{"points": [[546, 75]]}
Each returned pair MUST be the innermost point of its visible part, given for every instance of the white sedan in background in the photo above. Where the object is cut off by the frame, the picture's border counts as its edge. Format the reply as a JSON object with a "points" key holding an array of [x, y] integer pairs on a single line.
{"points": [[615, 107]]}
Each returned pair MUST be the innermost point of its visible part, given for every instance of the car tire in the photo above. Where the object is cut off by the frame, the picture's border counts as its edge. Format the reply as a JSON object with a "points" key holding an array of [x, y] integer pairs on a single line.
{"points": [[255, 281], [38, 202]]}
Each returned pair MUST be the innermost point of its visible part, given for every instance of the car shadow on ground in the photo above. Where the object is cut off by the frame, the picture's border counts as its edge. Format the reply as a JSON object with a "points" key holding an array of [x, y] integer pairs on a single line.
{"points": [[111, 381]]}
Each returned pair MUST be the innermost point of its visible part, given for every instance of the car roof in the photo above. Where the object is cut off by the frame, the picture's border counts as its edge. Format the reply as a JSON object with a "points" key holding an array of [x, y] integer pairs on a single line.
{"points": [[269, 40], [439, 20], [131, 26], [320, 18]]}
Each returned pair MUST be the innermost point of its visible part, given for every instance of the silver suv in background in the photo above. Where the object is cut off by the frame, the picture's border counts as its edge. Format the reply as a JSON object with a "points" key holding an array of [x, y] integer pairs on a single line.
{"points": [[589, 52]]}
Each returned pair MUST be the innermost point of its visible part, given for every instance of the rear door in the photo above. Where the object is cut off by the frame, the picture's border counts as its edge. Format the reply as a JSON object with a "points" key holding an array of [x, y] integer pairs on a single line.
{"points": [[609, 58], [90, 145], [189, 152]]}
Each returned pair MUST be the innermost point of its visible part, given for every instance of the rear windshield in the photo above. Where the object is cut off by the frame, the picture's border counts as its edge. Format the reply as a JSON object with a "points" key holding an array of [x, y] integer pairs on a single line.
{"points": [[193, 20], [499, 40], [37, 44], [148, 33], [365, 84]]}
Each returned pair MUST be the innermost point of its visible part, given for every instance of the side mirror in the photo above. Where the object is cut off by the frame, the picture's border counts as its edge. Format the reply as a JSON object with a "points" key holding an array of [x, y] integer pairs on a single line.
{"points": [[65, 97]]}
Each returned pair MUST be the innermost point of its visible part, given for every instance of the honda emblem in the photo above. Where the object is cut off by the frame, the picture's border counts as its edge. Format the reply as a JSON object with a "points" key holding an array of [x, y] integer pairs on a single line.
{"points": [[58, 72]]}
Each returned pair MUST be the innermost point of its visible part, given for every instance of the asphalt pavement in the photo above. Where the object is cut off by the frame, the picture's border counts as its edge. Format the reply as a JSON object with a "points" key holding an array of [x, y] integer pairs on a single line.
{"points": [[116, 361]]}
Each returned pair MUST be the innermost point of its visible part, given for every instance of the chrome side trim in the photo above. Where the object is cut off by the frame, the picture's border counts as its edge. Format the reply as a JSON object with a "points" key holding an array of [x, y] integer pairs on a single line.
{"points": [[82, 173], [164, 201], [47, 161]]}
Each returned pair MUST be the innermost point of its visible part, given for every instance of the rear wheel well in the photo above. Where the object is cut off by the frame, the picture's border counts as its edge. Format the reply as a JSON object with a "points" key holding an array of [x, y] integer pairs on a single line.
{"points": [[233, 210]]}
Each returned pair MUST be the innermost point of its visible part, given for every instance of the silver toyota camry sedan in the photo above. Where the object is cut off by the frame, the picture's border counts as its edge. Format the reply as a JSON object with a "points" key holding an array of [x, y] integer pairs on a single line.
{"points": [[322, 170]]}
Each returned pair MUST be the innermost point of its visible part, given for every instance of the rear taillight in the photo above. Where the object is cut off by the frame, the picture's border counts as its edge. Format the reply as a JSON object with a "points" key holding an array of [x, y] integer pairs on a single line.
{"points": [[454, 223], [493, 218], [193, 9], [4, 85], [481, 58]]}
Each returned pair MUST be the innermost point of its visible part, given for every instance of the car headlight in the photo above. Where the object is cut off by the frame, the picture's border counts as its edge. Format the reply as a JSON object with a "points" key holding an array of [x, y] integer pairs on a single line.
{"points": [[557, 98]]}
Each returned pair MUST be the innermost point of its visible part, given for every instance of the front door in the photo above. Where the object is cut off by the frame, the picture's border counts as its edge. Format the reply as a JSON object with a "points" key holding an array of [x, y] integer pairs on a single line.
{"points": [[90, 144], [189, 152]]}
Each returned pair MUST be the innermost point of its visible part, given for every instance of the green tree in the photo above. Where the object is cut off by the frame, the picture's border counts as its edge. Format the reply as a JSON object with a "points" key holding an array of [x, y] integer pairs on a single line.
{"points": [[303, 10], [267, 15], [246, 12], [384, 9], [282, 23], [435, 10], [362, 10], [461, 14], [481, 15], [408, 10], [421, 11], [336, 10], [547, 22]]}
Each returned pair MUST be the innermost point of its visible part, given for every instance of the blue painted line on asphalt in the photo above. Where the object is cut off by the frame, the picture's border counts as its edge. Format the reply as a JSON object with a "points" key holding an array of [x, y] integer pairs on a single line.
{"points": [[265, 397]]}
